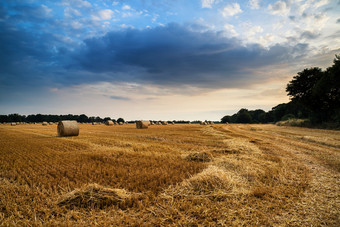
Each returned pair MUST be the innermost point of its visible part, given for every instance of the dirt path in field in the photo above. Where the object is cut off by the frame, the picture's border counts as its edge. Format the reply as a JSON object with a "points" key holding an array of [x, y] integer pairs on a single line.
{"points": [[321, 200]]}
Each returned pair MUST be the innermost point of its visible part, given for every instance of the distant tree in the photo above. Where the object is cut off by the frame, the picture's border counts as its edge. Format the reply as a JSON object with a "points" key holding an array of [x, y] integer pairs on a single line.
{"points": [[107, 119], [243, 116], [302, 88], [226, 119], [120, 120], [318, 91], [327, 93], [83, 118], [257, 115], [15, 117], [4, 118], [269, 117]]}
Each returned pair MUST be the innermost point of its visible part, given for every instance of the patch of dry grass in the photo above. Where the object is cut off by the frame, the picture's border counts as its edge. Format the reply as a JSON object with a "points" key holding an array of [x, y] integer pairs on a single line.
{"points": [[95, 196]]}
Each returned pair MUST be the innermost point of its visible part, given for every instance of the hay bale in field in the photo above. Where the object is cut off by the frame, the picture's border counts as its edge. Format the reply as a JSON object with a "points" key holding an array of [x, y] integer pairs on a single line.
{"points": [[109, 123], [68, 128], [44, 123], [142, 124], [50, 123], [121, 123], [94, 196], [164, 123], [13, 124], [199, 157]]}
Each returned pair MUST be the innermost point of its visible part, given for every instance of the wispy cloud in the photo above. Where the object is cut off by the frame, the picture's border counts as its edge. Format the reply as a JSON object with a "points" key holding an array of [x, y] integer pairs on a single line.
{"points": [[120, 98]]}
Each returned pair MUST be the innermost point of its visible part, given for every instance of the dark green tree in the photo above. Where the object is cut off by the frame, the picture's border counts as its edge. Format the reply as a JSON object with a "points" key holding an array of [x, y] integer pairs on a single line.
{"points": [[303, 85], [120, 120], [243, 116], [226, 119]]}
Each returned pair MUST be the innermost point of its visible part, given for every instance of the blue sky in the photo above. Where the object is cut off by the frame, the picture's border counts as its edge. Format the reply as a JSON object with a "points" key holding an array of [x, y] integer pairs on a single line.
{"points": [[149, 59]]}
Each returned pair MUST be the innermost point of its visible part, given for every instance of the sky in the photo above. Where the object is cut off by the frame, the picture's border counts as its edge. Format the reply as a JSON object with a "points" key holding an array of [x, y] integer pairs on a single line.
{"points": [[161, 60]]}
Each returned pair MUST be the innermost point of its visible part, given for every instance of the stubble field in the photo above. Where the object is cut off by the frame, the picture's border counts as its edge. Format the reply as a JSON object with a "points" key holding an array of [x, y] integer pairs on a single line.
{"points": [[192, 175]]}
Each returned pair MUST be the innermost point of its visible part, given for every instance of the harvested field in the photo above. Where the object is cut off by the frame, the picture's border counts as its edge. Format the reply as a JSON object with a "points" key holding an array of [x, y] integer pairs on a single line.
{"points": [[256, 175]]}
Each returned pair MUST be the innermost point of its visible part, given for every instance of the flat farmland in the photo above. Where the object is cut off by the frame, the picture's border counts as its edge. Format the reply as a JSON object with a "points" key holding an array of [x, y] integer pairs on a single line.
{"points": [[190, 175]]}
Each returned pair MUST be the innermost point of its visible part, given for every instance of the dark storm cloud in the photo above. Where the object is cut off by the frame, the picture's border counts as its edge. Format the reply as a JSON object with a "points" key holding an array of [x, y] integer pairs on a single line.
{"points": [[171, 55], [174, 54], [309, 35], [24, 57]]}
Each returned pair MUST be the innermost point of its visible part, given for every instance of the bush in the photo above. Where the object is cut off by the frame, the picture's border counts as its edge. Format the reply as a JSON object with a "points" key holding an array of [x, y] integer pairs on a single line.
{"points": [[287, 117], [295, 122]]}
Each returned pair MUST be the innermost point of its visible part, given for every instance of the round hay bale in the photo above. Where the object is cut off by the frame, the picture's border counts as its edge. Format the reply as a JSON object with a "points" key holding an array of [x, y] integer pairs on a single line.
{"points": [[13, 124], [44, 123], [68, 128], [121, 123], [164, 123], [50, 123], [109, 123], [142, 124]]}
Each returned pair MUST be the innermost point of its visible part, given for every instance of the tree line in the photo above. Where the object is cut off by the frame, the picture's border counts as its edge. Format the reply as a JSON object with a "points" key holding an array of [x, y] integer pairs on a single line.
{"points": [[314, 94], [54, 118]]}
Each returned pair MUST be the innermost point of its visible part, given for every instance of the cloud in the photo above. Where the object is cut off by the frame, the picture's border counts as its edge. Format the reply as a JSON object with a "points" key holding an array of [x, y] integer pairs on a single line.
{"points": [[207, 3], [279, 8], [120, 98], [231, 10], [254, 30], [77, 3], [320, 3], [230, 29], [254, 4], [174, 55], [309, 35], [70, 12], [338, 21], [126, 7], [105, 14]]}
